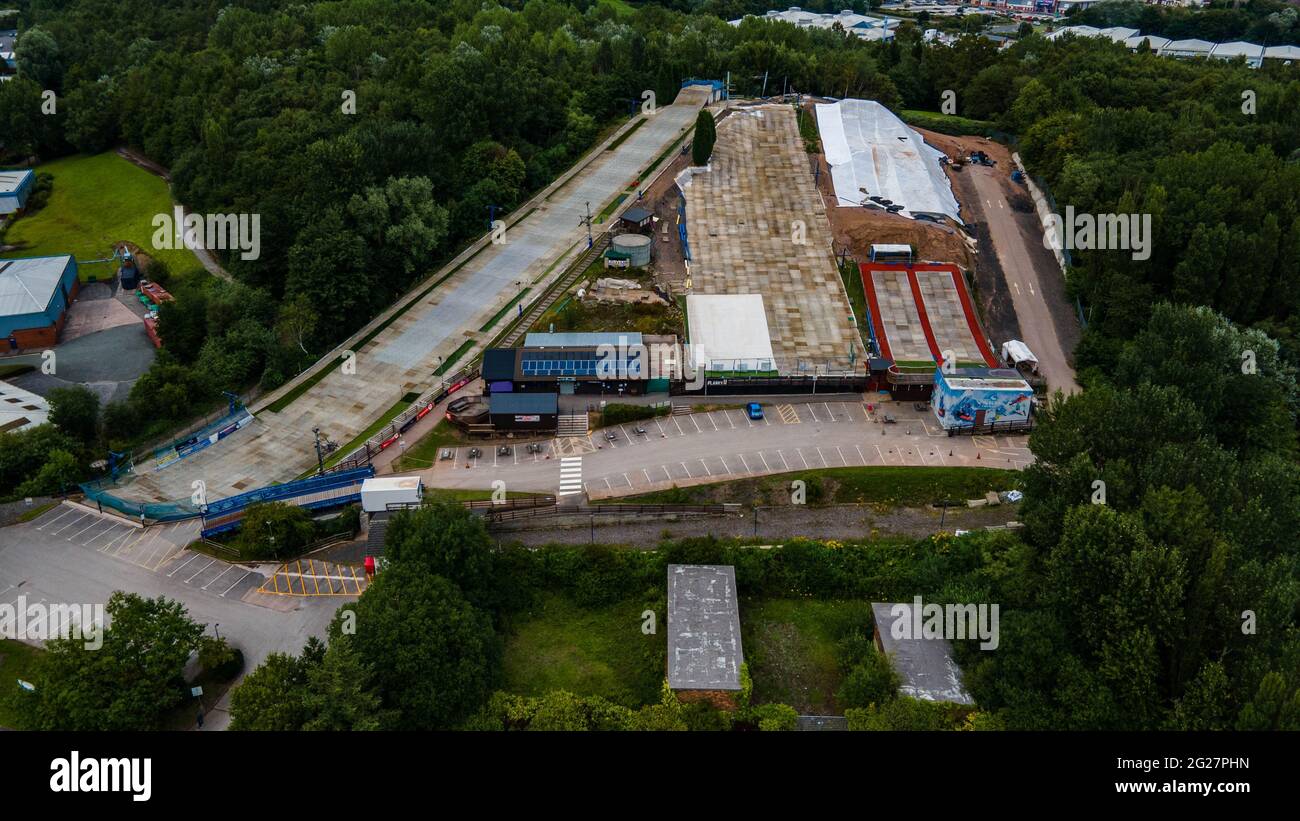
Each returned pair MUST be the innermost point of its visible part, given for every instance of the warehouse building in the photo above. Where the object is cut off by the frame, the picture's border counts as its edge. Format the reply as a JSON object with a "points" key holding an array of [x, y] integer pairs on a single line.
{"points": [[35, 295], [523, 411], [21, 409], [704, 652], [15, 188]]}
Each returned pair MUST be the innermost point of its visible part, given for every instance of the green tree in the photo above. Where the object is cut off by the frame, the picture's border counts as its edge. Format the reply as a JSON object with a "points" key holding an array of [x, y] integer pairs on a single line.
{"points": [[434, 655], [131, 682], [704, 138], [75, 411], [274, 530]]}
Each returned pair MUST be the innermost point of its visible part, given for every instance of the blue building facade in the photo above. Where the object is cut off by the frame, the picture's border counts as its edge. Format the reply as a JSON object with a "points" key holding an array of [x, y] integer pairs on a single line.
{"points": [[15, 188]]}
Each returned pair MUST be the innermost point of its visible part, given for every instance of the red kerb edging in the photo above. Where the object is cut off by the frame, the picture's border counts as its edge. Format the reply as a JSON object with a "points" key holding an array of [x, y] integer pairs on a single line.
{"points": [[971, 321]]}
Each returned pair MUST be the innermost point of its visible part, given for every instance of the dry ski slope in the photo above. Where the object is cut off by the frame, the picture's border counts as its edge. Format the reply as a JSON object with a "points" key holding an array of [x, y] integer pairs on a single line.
{"points": [[403, 357]]}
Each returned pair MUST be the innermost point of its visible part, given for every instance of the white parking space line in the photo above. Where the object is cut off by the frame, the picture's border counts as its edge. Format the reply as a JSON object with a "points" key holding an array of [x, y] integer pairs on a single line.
{"points": [[647, 476], [73, 523], [688, 470], [725, 466], [765, 464], [698, 429], [678, 425], [200, 570], [841, 453], [706, 467], [821, 456], [860, 456], [712, 421], [178, 568], [744, 461], [829, 413], [219, 575], [801, 458], [812, 412], [64, 512], [784, 463], [237, 581], [112, 529], [727, 415]]}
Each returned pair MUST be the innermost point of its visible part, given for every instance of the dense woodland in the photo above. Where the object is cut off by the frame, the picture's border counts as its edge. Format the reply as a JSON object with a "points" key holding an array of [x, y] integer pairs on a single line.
{"points": [[1171, 601]]}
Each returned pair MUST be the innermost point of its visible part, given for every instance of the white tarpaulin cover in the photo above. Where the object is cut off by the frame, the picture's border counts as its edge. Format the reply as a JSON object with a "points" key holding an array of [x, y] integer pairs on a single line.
{"points": [[1014, 350], [868, 147], [729, 332]]}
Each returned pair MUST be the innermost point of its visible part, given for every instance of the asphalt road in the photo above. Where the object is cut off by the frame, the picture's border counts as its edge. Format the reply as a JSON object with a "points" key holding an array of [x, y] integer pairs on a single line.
{"points": [[1029, 293], [67, 556], [720, 445]]}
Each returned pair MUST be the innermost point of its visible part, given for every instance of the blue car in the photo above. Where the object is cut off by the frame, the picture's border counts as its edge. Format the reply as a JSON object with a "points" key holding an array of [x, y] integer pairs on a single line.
{"points": [[754, 410]]}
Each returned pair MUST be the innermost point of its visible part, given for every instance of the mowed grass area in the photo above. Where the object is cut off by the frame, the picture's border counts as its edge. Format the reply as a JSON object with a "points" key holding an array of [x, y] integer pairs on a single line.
{"points": [[17, 661], [882, 486], [790, 646], [599, 651], [96, 202]]}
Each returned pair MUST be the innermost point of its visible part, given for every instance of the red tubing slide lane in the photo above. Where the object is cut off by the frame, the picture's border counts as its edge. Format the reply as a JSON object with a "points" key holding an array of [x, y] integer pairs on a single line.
{"points": [[971, 320], [869, 285], [925, 318]]}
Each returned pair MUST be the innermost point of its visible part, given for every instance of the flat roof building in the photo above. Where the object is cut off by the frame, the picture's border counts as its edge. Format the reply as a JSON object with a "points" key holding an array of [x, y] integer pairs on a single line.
{"points": [[21, 409], [729, 334], [15, 188], [35, 294], [524, 411], [925, 665], [704, 652]]}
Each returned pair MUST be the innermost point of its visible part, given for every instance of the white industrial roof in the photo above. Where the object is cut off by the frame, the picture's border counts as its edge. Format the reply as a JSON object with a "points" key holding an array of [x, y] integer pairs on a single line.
{"points": [[1192, 46], [27, 285], [729, 328], [10, 180], [1282, 52], [1154, 41], [20, 409], [867, 146], [1227, 51]]}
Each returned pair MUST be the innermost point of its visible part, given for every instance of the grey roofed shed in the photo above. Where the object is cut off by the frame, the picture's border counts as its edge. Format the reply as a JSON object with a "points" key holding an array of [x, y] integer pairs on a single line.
{"points": [[704, 650], [926, 666]]}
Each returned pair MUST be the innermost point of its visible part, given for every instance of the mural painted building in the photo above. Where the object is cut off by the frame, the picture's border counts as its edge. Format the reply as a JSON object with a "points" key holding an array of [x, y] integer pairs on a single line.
{"points": [[977, 397]]}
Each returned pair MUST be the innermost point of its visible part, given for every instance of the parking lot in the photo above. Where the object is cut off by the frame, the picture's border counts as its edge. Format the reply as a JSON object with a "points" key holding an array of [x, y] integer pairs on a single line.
{"points": [[159, 549], [725, 444]]}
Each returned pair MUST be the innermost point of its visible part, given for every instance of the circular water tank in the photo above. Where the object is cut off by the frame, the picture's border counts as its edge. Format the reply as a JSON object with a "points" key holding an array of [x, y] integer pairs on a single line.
{"points": [[636, 246]]}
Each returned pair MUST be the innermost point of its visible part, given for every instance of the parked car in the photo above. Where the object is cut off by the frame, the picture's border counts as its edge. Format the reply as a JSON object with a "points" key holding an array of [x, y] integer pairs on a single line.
{"points": [[754, 410]]}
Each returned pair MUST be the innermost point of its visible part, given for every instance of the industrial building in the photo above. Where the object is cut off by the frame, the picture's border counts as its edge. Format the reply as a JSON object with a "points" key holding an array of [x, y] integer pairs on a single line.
{"points": [[925, 665], [15, 188], [571, 363], [970, 400], [35, 294], [524, 411], [859, 25], [20, 409], [704, 650]]}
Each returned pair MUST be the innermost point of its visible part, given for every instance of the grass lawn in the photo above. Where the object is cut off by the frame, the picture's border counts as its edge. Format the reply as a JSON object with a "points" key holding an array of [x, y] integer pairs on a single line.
{"points": [[17, 661], [599, 651], [882, 486], [946, 123], [96, 202], [789, 645]]}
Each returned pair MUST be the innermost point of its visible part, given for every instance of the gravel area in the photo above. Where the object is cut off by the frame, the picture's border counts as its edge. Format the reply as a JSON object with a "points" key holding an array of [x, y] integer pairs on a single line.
{"points": [[832, 522]]}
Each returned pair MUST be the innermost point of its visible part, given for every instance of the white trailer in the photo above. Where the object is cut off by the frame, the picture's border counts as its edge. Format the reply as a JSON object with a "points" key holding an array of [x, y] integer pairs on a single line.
{"points": [[381, 491]]}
